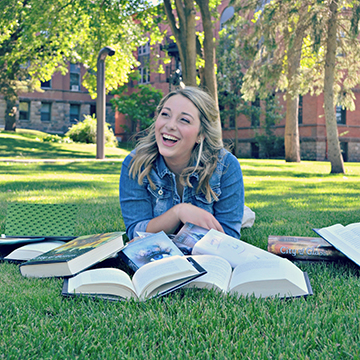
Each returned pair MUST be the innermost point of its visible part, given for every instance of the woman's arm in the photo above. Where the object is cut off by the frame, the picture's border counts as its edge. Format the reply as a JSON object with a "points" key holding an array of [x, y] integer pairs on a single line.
{"points": [[229, 209], [180, 214]]}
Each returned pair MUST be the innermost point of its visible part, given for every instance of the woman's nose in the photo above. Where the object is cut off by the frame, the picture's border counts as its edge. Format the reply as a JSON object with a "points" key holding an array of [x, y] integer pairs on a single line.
{"points": [[171, 123]]}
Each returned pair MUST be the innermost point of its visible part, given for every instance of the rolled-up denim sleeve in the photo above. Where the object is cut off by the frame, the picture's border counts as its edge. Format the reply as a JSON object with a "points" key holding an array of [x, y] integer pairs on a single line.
{"points": [[229, 209], [135, 201]]}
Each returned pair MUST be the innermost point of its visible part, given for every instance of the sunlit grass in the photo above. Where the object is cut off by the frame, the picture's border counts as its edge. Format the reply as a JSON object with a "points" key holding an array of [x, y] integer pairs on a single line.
{"points": [[27, 144], [288, 199]]}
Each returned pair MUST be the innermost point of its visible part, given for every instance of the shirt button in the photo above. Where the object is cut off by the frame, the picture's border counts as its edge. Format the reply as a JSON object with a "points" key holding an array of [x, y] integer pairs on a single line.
{"points": [[160, 192]]}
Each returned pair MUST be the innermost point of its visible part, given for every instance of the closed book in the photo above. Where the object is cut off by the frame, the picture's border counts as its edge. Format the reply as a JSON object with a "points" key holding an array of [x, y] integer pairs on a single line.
{"points": [[303, 248], [74, 256]]}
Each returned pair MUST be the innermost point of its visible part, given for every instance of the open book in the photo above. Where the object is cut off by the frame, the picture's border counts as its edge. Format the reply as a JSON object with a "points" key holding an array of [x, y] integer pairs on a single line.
{"points": [[234, 266], [156, 278], [344, 238]]}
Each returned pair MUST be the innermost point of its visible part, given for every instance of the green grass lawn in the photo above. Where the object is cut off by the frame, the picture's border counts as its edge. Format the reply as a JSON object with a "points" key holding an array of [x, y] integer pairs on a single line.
{"points": [[27, 144], [288, 199]]}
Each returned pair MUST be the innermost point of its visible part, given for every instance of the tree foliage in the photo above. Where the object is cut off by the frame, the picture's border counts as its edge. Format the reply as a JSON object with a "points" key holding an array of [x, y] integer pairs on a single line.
{"points": [[311, 29], [39, 37], [138, 106]]}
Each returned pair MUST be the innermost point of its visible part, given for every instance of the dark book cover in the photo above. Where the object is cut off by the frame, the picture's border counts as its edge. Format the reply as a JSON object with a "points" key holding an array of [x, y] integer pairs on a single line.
{"points": [[303, 248], [75, 248]]}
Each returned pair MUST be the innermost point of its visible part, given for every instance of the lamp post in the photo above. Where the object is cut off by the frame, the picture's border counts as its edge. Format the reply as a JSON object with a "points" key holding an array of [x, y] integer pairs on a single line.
{"points": [[101, 101]]}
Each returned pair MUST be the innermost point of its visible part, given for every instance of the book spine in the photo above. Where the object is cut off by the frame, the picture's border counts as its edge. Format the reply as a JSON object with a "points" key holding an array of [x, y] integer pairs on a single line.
{"points": [[298, 251]]}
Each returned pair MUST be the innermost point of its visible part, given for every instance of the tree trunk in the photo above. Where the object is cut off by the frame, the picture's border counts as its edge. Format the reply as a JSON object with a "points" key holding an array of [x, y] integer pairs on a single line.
{"points": [[333, 144], [185, 37], [10, 114], [292, 142], [209, 80]]}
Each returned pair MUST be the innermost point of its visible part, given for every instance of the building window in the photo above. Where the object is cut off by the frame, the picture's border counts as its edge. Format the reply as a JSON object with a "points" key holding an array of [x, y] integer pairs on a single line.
{"points": [[255, 151], [93, 110], [74, 77], [74, 113], [226, 15], [344, 150], [24, 110], [255, 113], [144, 59], [144, 49], [232, 116], [144, 75], [46, 84], [45, 111], [300, 110], [340, 114]]}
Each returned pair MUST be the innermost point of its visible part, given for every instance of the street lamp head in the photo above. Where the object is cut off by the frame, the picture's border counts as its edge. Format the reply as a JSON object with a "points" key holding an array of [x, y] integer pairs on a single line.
{"points": [[105, 51]]}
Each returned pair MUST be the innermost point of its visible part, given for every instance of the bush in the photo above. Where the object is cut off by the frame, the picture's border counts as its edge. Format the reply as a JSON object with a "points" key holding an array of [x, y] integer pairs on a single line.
{"points": [[56, 138], [85, 132]]}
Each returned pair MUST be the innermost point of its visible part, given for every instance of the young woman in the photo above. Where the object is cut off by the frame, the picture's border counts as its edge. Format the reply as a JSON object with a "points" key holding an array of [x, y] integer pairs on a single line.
{"points": [[180, 172]]}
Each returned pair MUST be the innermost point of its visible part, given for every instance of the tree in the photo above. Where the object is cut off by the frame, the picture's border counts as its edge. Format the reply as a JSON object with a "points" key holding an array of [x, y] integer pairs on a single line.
{"points": [[230, 72], [39, 37], [329, 56], [140, 105], [275, 36], [190, 44]]}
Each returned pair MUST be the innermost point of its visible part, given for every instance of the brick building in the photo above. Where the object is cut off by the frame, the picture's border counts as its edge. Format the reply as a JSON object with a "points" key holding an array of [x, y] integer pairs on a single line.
{"points": [[312, 129], [63, 102]]}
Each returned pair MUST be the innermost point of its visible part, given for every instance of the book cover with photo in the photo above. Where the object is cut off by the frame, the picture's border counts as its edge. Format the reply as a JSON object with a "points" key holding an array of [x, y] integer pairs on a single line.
{"points": [[188, 236], [74, 256], [150, 248]]}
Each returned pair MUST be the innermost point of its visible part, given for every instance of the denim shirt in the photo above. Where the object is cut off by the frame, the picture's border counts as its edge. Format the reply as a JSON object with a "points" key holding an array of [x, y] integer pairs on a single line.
{"points": [[140, 203]]}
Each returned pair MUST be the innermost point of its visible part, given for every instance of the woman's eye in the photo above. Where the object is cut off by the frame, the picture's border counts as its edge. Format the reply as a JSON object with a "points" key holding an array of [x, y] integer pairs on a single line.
{"points": [[185, 120], [164, 114]]}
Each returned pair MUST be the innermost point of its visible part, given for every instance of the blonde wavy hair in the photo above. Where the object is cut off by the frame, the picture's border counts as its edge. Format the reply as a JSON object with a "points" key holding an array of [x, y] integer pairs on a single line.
{"points": [[204, 154]]}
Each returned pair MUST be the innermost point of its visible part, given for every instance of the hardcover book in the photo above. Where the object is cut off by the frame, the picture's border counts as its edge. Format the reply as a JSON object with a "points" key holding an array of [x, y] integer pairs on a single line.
{"points": [[346, 239], [303, 248], [150, 248], [153, 279], [74, 256], [188, 236], [236, 267]]}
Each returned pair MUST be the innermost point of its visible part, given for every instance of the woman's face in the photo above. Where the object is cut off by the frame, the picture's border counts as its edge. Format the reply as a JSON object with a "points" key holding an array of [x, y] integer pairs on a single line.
{"points": [[177, 130]]}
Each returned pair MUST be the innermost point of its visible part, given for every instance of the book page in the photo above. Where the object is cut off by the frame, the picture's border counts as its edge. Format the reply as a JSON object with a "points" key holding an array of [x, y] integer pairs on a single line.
{"points": [[268, 277], [102, 281], [233, 250], [30, 251], [154, 274], [218, 273], [344, 238]]}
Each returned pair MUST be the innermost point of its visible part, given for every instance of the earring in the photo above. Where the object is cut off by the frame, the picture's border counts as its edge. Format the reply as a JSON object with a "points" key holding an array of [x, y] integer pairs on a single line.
{"points": [[198, 140]]}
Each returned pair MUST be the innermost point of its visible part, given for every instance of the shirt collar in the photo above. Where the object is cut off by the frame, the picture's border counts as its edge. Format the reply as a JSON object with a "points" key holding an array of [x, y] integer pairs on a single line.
{"points": [[162, 169]]}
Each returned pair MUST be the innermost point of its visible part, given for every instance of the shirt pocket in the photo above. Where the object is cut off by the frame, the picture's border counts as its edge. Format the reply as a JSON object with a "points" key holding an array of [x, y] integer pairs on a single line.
{"points": [[161, 198], [203, 203]]}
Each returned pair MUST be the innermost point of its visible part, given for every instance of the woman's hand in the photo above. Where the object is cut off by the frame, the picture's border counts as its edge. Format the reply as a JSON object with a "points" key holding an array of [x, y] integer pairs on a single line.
{"points": [[197, 216]]}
